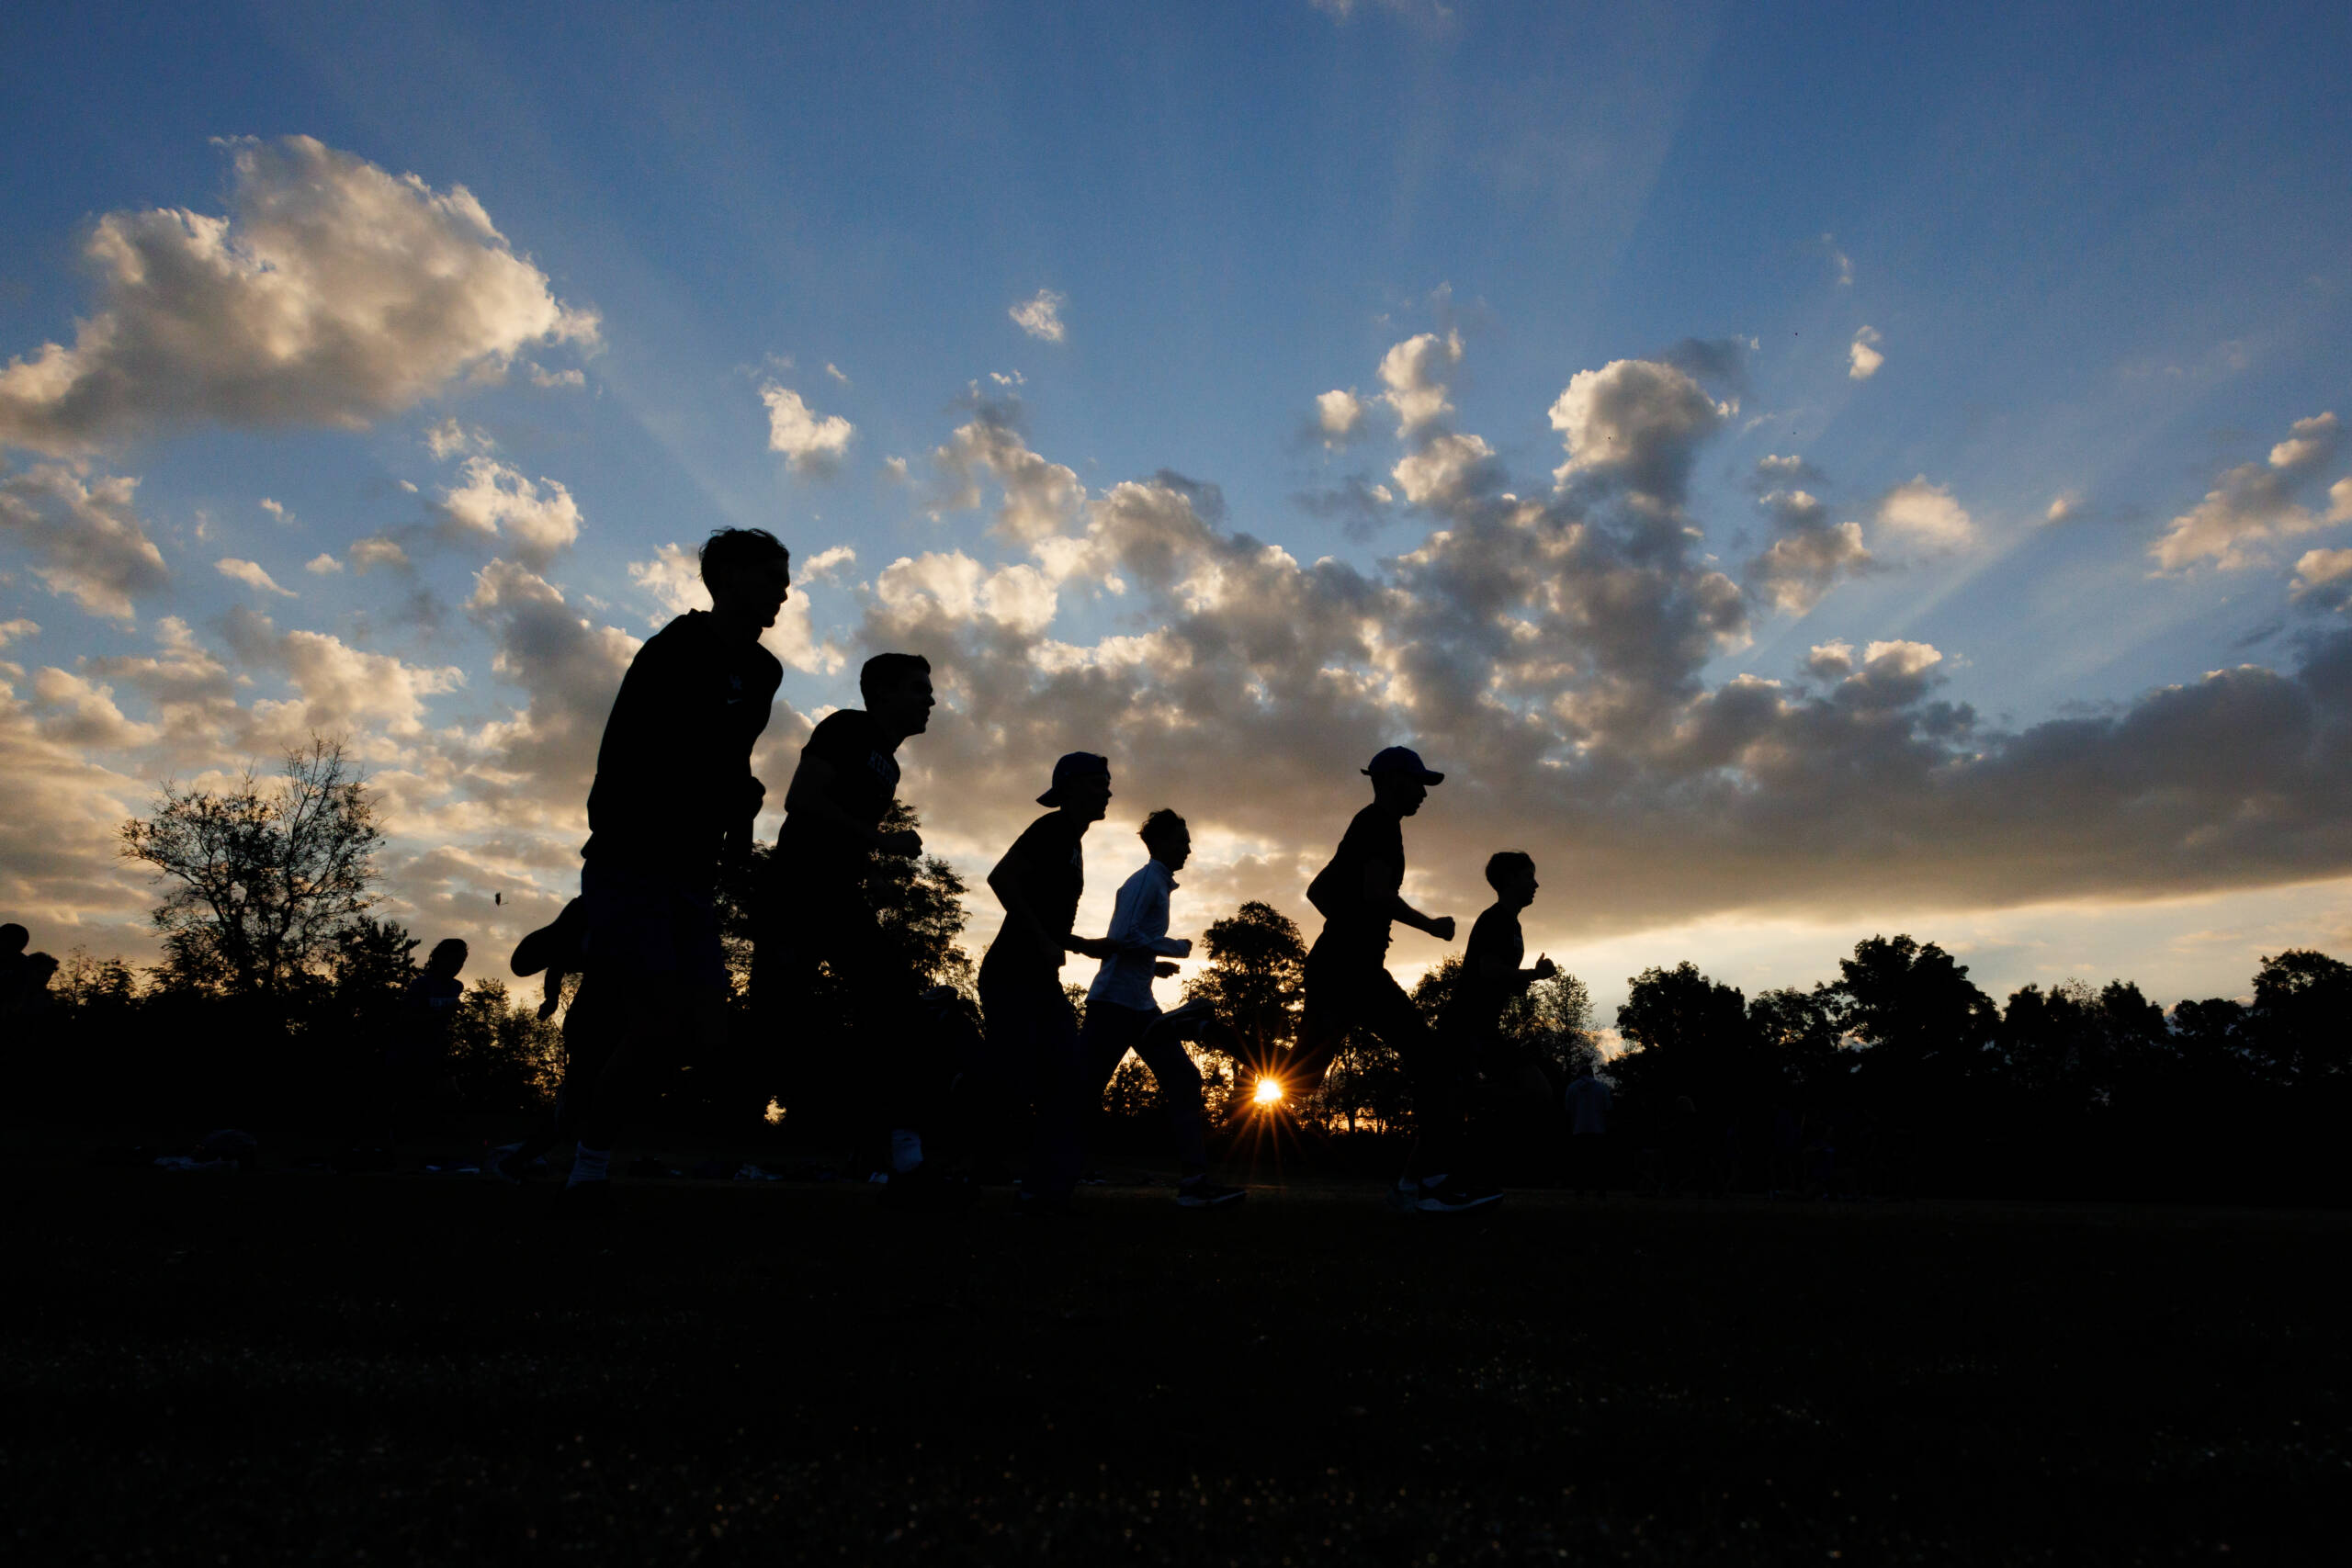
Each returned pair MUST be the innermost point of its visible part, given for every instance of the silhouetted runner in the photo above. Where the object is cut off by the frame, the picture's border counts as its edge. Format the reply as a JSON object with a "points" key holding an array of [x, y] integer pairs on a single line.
{"points": [[1121, 1013], [1470, 1029], [673, 793], [815, 909], [1032, 1032], [14, 939], [1349, 986]]}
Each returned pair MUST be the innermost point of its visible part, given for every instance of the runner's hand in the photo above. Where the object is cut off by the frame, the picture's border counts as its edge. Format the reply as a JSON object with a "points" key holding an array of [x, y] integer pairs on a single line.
{"points": [[1163, 970], [905, 842], [1442, 928], [1093, 946], [546, 1010], [1545, 967]]}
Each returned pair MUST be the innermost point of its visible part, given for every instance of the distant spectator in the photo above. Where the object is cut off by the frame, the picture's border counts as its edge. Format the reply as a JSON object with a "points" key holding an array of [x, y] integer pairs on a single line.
{"points": [[14, 939], [1587, 1100], [418, 1061]]}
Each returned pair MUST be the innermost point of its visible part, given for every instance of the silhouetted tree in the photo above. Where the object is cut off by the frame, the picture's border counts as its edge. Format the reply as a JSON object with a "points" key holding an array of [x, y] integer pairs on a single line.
{"points": [[501, 1055], [2300, 1027], [1803, 1033], [1255, 979], [259, 878], [1915, 1010], [1689, 1036]]}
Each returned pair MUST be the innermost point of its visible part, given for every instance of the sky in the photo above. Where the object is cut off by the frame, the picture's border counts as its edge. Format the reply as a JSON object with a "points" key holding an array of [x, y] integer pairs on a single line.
{"points": [[1801, 472]]}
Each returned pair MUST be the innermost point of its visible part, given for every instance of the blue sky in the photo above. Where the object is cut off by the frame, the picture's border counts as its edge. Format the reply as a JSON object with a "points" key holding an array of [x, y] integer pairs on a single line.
{"points": [[2091, 260]]}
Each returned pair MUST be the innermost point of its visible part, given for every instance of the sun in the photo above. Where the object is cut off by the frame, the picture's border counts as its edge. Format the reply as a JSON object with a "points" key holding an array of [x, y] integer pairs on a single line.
{"points": [[1268, 1091]]}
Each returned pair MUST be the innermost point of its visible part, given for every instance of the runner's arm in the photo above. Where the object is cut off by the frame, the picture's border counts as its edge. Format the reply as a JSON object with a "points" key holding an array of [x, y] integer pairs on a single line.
{"points": [[1380, 882]]}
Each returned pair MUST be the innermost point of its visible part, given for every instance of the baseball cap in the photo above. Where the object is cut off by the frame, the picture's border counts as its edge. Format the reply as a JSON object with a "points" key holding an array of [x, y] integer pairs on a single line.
{"points": [[1073, 766], [1403, 760]]}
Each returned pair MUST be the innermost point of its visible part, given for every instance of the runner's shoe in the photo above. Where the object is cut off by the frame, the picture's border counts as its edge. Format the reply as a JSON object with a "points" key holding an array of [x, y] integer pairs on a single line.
{"points": [[1406, 1196], [1458, 1197], [504, 1163], [1206, 1195]]}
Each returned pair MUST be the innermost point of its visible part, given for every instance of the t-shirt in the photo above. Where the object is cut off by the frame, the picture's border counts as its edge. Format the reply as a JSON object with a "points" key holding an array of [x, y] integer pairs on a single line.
{"points": [[428, 1016], [1352, 923], [865, 782], [1050, 858], [674, 774], [1477, 1003]]}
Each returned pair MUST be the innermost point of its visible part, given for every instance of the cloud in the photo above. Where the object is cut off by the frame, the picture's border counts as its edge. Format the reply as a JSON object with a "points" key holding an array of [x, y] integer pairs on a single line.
{"points": [[836, 372], [811, 444], [1638, 422], [1039, 497], [251, 574], [17, 630], [1839, 260], [449, 439], [827, 563], [333, 293], [552, 380], [1811, 555], [86, 541], [1337, 415], [2064, 508], [1926, 514], [2255, 503], [1862, 360], [1446, 469], [494, 500], [2323, 579], [377, 551], [1040, 316], [1413, 373], [321, 565], [276, 512]]}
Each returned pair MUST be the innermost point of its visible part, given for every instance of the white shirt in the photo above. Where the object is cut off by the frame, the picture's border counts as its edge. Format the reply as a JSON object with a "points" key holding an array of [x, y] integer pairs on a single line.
{"points": [[1139, 924], [1588, 1106]]}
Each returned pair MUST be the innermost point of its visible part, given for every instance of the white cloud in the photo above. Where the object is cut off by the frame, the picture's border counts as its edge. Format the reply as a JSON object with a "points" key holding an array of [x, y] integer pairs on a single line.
{"points": [[449, 439], [958, 589], [1413, 371], [1040, 316], [1446, 469], [836, 372], [1040, 498], [334, 293], [1811, 556], [1926, 515], [321, 565], [1337, 414], [377, 551], [1862, 360], [552, 380], [812, 444], [251, 574], [2065, 508], [275, 511], [2323, 577], [1840, 260], [1639, 421], [17, 630], [494, 500], [826, 562], [2255, 503], [86, 541]]}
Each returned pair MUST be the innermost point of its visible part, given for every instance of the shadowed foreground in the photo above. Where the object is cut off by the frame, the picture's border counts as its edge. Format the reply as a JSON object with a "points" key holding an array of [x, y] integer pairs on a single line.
{"points": [[279, 1367]]}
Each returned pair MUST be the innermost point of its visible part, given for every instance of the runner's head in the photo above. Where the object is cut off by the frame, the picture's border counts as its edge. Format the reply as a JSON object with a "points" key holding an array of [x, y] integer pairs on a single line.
{"points": [[448, 957], [1169, 841], [1512, 874], [895, 689], [1082, 786], [14, 939], [1399, 781], [749, 573]]}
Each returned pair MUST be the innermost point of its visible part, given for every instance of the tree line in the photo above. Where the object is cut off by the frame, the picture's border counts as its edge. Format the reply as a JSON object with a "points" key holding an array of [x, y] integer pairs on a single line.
{"points": [[278, 982]]}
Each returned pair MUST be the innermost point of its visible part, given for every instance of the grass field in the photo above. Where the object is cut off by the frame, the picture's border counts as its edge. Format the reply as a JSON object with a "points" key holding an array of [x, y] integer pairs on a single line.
{"points": [[286, 1367]]}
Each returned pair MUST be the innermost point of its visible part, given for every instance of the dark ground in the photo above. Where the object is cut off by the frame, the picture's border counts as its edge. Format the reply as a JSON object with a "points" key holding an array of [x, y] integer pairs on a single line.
{"points": [[305, 1367]]}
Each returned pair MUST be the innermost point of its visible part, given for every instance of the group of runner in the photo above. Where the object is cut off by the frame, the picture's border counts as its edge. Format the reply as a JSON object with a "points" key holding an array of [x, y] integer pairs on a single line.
{"points": [[674, 799]]}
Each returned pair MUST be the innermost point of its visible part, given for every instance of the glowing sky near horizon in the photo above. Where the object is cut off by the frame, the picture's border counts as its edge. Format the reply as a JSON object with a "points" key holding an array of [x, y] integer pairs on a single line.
{"points": [[1801, 475]]}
